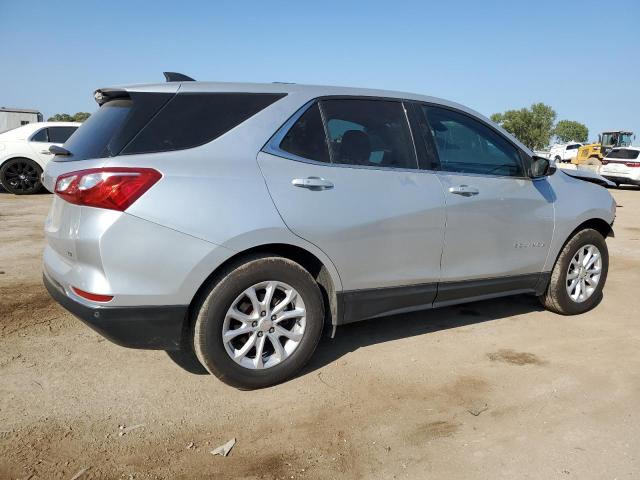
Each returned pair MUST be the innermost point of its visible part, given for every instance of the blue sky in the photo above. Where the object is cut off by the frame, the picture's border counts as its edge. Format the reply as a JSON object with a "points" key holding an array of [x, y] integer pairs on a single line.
{"points": [[580, 57]]}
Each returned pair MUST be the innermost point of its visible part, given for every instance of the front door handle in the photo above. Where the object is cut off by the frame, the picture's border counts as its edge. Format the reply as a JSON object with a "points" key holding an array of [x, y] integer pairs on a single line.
{"points": [[312, 183], [464, 190], [45, 152]]}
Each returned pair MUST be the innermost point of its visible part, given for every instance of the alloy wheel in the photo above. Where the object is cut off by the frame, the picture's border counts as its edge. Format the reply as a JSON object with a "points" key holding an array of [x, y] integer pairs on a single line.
{"points": [[21, 176], [584, 272], [264, 325]]}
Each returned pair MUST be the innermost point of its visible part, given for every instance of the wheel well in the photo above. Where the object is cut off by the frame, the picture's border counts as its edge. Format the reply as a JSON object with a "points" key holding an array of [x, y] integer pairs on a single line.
{"points": [[3, 162], [307, 260], [19, 157], [596, 224]]}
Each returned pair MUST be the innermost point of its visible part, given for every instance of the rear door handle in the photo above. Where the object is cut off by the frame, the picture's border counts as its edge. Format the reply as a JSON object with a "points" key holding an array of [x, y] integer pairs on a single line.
{"points": [[464, 190], [312, 183]]}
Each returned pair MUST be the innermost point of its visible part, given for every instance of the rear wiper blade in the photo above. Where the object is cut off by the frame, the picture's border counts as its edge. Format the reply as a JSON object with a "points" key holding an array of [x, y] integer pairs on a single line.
{"points": [[56, 150]]}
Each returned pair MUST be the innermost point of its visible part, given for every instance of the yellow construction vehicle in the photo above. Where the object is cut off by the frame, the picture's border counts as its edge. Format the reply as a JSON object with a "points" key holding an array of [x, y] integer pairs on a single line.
{"points": [[593, 153]]}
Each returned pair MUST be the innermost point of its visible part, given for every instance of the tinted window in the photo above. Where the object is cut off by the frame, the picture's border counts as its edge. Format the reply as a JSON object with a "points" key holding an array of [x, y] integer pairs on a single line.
{"points": [[60, 134], [573, 147], [192, 119], [465, 145], [91, 140], [41, 136], [306, 138], [623, 153], [369, 132]]}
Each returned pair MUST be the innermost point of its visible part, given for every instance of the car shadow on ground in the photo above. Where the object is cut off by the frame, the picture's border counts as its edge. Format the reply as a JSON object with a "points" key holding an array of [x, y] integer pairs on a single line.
{"points": [[353, 336], [385, 329]]}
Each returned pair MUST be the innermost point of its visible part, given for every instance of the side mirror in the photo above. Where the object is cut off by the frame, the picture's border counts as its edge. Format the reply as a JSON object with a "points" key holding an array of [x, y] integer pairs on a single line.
{"points": [[542, 167]]}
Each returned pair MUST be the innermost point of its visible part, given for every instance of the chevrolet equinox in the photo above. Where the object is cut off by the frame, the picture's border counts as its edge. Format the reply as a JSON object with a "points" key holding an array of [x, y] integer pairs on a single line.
{"points": [[241, 221]]}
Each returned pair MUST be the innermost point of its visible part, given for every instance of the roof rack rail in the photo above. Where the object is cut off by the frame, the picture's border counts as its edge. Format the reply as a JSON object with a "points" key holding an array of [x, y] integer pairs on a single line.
{"points": [[177, 77]]}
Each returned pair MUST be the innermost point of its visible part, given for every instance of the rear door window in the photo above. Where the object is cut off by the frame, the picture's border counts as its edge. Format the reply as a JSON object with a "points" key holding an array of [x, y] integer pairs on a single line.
{"points": [[306, 138], [41, 136], [371, 133]]}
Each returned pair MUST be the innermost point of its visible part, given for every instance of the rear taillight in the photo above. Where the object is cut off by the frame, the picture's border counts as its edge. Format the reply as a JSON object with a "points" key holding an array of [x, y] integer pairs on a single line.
{"points": [[632, 164], [114, 188]]}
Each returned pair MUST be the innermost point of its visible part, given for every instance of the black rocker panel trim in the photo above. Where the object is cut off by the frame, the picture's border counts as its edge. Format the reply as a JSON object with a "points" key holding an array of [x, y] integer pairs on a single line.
{"points": [[356, 305], [451, 293], [377, 302]]}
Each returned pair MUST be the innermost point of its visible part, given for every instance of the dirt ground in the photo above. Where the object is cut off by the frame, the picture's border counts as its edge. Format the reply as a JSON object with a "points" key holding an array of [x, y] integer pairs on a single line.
{"points": [[495, 389]]}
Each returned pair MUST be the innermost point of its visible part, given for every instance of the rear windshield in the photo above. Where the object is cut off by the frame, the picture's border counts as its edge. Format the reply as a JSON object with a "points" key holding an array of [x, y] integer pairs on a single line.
{"points": [[160, 122], [623, 153]]}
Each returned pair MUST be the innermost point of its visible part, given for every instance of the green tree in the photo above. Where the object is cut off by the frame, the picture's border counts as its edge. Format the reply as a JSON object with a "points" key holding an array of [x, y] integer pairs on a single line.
{"points": [[65, 117], [532, 126], [568, 130], [81, 116], [60, 117]]}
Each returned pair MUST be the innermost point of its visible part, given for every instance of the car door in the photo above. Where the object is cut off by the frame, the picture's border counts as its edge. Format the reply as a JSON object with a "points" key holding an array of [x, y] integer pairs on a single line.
{"points": [[357, 194], [44, 138], [499, 222], [39, 144]]}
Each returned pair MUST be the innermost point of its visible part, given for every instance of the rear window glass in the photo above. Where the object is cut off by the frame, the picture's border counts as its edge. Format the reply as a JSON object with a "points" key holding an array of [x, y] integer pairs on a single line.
{"points": [[91, 140], [192, 119], [158, 122], [623, 153]]}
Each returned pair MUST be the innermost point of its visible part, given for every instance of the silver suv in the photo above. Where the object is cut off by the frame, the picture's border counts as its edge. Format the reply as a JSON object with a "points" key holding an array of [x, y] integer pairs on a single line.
{"points": [[243, 220]]}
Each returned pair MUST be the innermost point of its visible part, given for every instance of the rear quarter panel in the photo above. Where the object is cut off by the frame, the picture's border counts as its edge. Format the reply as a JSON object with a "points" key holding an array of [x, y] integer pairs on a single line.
{"points": [[217, 193]]}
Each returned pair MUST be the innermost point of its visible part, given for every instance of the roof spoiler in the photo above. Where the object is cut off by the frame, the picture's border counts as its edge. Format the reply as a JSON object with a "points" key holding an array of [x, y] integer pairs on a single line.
{"points": [[176, 77], [103, 95]]}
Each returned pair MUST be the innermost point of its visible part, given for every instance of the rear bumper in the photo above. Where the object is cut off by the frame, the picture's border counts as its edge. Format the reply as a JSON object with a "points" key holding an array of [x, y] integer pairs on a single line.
{"points": [[153, 327]]}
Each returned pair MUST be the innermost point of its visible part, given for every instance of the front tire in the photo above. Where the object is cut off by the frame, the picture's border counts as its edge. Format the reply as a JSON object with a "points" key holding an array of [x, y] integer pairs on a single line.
{"points": [[260, 323], [21, 176], [579, 275]]}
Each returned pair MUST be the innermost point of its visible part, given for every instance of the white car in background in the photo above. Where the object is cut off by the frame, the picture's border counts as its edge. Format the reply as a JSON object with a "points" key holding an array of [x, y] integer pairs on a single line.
{"points": [[564, 152], [622, 165], [24, 152]]}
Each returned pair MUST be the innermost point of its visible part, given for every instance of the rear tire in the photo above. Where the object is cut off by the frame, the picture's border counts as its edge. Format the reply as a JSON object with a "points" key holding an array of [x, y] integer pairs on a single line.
{"points": [[21, 176], [239, 299], [558, 296]]}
